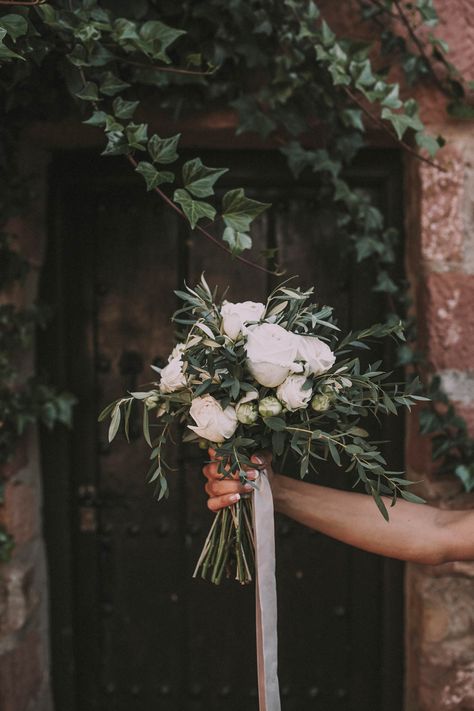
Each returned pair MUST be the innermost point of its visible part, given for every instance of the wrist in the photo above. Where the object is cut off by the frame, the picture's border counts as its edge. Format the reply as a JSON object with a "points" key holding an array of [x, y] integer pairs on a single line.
{"points": [[279, 491]]}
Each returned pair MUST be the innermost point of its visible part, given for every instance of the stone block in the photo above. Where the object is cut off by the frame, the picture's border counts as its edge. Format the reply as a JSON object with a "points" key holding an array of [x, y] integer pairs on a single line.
{"points": [[18, 595], [441, 202], [449, 320], [21, 674], [20, 512]]}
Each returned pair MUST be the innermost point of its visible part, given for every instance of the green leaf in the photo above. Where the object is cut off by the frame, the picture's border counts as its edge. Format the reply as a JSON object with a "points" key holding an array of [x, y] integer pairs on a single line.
{"points": [[124, 109], [136, 134], [163, 150], [158, 37], [429, 143], [5, 52], [275, 423], [98, 118], [193, 209], [116, 144], [146, 427], [402, 122], [237, 241], [380, 504], [153, 177], [15, 25], [239, 210], [413, 498], [115, 422], [199, 179], [111, 84], [88, 92]]}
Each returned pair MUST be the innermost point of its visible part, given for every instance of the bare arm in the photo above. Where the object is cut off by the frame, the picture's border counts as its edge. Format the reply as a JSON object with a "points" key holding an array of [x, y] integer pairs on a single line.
{"points": [[415, 532]]}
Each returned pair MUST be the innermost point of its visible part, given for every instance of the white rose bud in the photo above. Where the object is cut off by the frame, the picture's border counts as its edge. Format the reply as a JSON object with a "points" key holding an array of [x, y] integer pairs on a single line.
{"points": [[318, 356], [172, 376], [212, 421], [246, 409], [271, 352], [151, 401], [269, 406], [235, 316], [291, 392], [320, 403]]}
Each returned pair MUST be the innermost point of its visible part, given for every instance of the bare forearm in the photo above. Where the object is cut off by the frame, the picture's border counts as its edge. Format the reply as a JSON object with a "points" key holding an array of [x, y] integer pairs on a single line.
{"points": [[415, 532]]}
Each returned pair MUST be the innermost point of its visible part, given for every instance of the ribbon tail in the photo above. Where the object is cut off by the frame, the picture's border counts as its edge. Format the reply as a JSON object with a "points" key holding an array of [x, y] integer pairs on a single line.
{"points": [[265, 597]]}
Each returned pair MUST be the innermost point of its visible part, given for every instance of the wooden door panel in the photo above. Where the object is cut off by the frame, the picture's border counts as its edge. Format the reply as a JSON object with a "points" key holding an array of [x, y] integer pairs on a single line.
{"points": [[144, 633]]}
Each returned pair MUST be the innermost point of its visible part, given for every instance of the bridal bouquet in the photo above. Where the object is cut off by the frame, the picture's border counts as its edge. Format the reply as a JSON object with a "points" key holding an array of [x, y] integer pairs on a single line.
{"points": [[250, 376]]}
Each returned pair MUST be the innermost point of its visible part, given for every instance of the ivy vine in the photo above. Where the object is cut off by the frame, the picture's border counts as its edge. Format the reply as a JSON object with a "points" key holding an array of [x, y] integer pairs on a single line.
{"points": [[287, 75]]}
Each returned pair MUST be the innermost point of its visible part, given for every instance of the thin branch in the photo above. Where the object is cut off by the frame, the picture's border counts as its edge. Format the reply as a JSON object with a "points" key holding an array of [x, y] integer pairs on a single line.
{"points": [[420, 47], [200, 229], [380, 123], [22, 2], [170, 70]]}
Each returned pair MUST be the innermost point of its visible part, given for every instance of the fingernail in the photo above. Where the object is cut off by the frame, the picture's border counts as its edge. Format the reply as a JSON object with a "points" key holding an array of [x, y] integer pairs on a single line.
{"points": [[234, 497], [258, 460], [248, 487], [251, 474]]}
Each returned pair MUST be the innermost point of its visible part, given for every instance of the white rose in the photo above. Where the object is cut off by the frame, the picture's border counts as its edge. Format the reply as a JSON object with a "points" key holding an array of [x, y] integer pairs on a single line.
{"points": [[317, 354], [172, 376], [246, 409], [291, 392], [212, 422], [271, 352], [235, 316]]}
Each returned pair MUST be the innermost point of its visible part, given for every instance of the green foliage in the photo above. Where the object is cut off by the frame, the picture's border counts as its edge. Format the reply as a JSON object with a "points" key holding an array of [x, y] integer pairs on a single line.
{"points": [[215, 365], [285, 72]]}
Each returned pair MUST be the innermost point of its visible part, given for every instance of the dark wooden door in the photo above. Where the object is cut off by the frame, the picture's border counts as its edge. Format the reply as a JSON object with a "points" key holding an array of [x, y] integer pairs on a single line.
{"points": [[131, 629]]}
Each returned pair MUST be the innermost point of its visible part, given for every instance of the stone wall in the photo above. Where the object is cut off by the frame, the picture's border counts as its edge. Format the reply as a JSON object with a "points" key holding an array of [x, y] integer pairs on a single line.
{"points": [[440, 241], [24, 666]]}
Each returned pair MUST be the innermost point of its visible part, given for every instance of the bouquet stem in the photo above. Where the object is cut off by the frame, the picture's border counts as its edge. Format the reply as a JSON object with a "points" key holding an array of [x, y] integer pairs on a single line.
{"points": [[229, 546]]}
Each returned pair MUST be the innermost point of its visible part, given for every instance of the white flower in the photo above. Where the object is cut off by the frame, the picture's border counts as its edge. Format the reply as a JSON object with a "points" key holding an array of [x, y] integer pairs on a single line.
{"points": [[269, 406], [246, 409], [291, 392], [235, 316], [271, 352], [316, 354], [212, 422], [172, 376]]}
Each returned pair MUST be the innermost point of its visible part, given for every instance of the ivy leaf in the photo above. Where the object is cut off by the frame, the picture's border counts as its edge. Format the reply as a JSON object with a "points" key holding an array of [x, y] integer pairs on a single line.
{"points": [[429, 143], [136, 135], [116, 144], [88, 92], [193, 209], [153, 177], [98, 118], [239, 210], [199, 179], [163, 150], [5, 52], [237, 241], [124, 109], [157, 37], [401, 122], [111, 84], [15, 25]]}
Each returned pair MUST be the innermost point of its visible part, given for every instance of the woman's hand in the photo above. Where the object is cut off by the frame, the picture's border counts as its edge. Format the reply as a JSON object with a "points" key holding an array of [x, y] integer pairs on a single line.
{"points": [[226, 491]]}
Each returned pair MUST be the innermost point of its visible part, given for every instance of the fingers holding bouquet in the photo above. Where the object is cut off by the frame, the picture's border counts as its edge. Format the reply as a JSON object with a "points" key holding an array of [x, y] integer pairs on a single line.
{"points": [[226, 489]]}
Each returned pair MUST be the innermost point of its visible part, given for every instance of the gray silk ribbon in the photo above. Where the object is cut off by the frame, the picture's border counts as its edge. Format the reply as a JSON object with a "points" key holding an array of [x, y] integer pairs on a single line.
{"points": [[265, 596]]}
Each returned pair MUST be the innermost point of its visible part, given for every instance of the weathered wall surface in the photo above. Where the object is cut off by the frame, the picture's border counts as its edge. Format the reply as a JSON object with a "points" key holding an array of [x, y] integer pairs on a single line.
{"points": [[24, 667], [440, 261]]}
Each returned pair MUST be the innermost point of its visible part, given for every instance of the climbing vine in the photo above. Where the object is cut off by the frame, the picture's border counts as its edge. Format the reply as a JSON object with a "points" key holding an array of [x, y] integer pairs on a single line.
{"points": [[290, 79]]}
